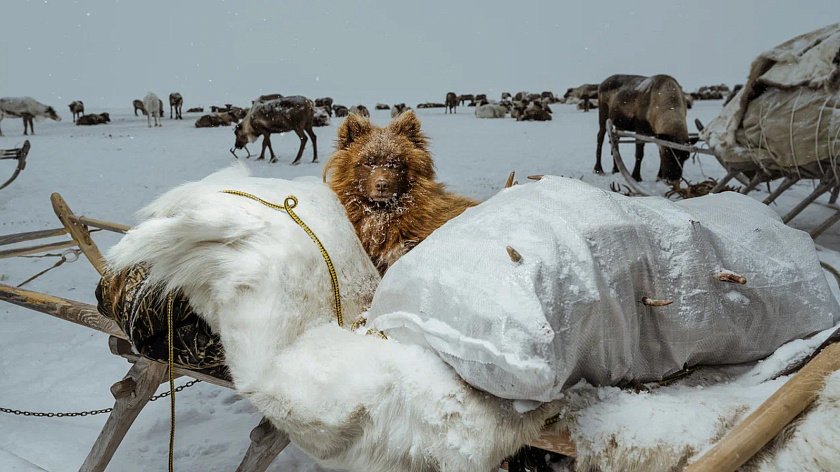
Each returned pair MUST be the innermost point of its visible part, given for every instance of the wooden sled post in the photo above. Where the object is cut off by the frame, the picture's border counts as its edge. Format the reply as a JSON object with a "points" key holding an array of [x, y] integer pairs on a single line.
{"points": [[146, 376], [266, 443], [751, 434], [79, 233]]}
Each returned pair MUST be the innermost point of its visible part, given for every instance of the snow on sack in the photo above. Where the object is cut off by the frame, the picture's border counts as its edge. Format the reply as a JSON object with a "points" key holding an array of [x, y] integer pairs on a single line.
{"points": [[571, 309]]}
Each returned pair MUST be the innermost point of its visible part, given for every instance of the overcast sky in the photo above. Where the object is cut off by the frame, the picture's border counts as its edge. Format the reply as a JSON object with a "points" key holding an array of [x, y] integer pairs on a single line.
{"points": [[107, 53]]}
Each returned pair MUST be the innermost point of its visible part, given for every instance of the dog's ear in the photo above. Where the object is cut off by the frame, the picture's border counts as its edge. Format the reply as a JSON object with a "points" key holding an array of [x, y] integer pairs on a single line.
{"points": [[408, 125], [353, 128]]}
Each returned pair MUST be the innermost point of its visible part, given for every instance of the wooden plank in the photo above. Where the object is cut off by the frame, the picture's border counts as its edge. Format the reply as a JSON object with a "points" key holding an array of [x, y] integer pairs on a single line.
{"points": [[662, 142], [561, 443], [79, 233], [32, 235], [106, 225], [619, 162], [756, 430], [73, 311], [29, 250], [147, 376], [266, 443]]}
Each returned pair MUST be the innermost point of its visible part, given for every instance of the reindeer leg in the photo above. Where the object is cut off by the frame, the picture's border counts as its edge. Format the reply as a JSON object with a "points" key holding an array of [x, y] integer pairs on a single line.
{"points": [[311, 134], [267, 141], [601, 133], [640, 154], [264, 145], [303, 140]]}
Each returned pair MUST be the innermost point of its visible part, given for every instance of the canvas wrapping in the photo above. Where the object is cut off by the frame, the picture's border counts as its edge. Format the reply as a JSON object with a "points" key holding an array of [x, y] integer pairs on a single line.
{"points": [[786, 119], [572, 308]]}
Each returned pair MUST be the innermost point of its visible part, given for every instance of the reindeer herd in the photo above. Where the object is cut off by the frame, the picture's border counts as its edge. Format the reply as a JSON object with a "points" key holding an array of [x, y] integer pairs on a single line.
{"points": [[654, 106]]}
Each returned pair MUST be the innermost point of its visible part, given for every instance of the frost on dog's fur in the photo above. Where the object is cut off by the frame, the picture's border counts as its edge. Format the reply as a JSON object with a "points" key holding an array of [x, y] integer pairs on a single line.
{"points": [[351, 401]]}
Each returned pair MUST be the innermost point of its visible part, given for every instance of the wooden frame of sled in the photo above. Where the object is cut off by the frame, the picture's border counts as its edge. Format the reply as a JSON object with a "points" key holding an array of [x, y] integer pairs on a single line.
{"points": [[19, 154], [829, 182], [132, 393]]}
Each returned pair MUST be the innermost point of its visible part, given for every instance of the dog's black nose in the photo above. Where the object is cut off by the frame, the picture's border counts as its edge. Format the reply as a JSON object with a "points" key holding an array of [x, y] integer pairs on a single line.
{"points": [[381, 185]]}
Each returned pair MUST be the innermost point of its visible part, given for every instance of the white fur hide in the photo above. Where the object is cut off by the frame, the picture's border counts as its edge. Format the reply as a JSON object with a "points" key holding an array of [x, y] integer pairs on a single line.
{"points": [[351, 401], [667, 428]]}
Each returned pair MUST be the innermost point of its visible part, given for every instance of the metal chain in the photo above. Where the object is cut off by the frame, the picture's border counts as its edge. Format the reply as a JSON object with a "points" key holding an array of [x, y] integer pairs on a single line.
{"points": [[91, 412]]}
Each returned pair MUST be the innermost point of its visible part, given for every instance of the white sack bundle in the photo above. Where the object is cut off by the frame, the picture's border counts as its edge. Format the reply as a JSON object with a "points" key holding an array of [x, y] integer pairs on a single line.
{"points": [[572, 307]]}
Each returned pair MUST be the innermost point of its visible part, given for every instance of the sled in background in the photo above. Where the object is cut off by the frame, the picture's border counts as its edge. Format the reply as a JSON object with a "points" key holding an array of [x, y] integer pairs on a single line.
{"points": [[781, 125], [18, 154]]}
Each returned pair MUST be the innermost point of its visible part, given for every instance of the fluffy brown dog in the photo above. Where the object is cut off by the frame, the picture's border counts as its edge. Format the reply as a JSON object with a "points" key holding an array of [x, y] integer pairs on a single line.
{"points": [[385, 178]]}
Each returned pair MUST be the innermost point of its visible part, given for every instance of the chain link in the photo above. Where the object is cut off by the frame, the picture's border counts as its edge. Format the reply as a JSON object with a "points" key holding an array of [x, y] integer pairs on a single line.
{"points": [[91, 412]]}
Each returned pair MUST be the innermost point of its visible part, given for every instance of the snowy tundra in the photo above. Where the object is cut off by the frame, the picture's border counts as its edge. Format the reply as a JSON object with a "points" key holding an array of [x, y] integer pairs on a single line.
{"points": [[112, 172]]}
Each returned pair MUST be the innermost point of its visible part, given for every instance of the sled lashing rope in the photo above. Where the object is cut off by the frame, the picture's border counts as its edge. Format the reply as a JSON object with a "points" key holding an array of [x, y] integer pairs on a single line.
{"points": [[288, 204]]}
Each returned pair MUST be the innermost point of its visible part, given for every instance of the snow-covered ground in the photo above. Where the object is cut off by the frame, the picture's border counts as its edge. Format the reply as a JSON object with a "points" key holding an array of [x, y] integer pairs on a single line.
{"points": [[109, 172]]}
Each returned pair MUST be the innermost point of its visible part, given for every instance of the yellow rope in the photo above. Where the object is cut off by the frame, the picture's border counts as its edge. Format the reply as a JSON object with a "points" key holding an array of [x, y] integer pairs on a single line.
{"points": [[171, 382], [287, 206]]}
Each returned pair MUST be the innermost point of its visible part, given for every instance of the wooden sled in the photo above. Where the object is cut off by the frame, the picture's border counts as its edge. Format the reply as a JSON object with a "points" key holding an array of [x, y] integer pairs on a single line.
{"points": [[827, 183], [18, 154], [144, 377]]}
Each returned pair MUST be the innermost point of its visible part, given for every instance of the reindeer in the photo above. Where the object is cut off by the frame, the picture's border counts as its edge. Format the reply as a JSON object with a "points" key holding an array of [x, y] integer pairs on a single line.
{"points": [[463, 99], [653, 106], [77, 108], [28, 109], [176, 101], [93, 119], [294, 113], [325, 102], [153, 106], [138, 105], [451, 103]]}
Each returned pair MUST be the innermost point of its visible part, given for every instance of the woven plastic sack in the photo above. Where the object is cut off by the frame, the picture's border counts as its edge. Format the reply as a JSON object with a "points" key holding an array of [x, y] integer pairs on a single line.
{"points": [[572, 307]]}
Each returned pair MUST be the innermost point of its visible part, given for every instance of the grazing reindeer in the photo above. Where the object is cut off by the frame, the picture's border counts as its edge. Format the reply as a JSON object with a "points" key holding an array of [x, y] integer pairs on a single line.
{"points": [[176, 101], [154, 107], [77, 108], [451, 103], [653, 106], [294, 113], [28, 109], [326, 103], [138, 105]]}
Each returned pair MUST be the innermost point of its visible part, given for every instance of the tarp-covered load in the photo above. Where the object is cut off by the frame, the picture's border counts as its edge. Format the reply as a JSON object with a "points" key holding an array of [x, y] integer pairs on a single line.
{"points": [[786, 119], [571, 307]]}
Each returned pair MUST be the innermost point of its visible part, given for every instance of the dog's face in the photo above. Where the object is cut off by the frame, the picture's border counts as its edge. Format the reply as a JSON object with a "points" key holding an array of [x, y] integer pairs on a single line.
{"points": [[379, 167]]}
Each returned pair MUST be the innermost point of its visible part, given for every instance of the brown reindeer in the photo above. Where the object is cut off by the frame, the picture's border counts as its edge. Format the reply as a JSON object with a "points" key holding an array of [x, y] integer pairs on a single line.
{"points": [[653, 106], [294, 113], [326, 102], [77, 108], [176, 101], [138, 105], [464, 98], [451, 103]]}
